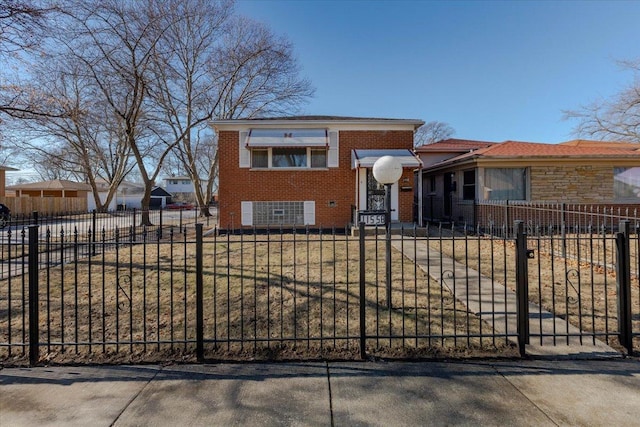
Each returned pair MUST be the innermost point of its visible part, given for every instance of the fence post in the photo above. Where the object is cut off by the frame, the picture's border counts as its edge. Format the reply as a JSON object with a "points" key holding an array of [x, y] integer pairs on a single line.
{"points": [[34, 216], [93, 235], [563, 229], [506, 219], [522, 286], [133, 225], [34, 300], [160, 229], [363, 300], [623, 282], [199, 296]]}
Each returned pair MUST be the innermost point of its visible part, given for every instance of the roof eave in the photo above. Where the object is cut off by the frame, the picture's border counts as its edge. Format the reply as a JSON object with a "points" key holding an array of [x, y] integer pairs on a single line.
{"points": [[243, 123]]}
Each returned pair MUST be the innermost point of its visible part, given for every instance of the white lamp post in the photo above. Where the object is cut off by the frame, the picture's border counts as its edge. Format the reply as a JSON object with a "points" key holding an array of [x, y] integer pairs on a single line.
{"points": [[387, 170]]}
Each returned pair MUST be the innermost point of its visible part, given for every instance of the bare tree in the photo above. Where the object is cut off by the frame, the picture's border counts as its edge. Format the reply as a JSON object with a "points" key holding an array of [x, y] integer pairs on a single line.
{"points": [[86, 142], [141, 80], [51, 165], [211, 64], [433, 132], [23, 26], [116, 41], [616, 118]]}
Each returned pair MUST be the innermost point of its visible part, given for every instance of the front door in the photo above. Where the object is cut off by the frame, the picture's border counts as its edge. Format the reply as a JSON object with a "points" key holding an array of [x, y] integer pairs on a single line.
{"points": [[375, 193]]}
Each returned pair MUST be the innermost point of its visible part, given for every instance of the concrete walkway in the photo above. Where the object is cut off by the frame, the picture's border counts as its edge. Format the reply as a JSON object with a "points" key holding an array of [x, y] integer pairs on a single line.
{"points": [[514, 393], [497, 305]]}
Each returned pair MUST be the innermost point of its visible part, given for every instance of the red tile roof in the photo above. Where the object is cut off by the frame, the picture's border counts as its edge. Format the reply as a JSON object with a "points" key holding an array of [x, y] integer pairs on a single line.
{"points": [[604, 144], [516, 149], [533, 149]]}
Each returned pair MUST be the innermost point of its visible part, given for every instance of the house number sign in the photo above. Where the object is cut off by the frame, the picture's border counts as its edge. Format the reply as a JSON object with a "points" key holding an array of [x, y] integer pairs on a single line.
{"points": [[372, 218]]}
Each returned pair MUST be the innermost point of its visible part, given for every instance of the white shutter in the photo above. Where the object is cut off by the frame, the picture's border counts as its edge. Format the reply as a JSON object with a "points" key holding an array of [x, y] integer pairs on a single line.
{"points": [[246, 213], [310, 213], [332, 159], [245, 154]]}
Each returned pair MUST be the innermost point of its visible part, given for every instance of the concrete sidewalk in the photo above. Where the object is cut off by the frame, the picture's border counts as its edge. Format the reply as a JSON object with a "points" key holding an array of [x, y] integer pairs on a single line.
{"points": [[519, 393]]}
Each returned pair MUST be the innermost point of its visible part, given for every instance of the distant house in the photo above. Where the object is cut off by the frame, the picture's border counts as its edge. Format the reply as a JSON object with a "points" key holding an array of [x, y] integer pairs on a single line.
{"points": [[54, 188], [129, 196], [181, 188], [310, 170], [578, 172], [55, 196], [3, 180]]}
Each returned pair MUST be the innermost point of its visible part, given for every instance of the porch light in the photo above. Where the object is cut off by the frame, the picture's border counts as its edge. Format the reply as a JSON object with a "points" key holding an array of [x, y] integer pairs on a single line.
{"points": [[387, 170]]}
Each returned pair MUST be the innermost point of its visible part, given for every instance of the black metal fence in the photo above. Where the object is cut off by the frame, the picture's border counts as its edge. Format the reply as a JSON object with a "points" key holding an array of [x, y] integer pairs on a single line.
{"points": [[498, 216], [84, 222], [72, 229], [178, 294]]}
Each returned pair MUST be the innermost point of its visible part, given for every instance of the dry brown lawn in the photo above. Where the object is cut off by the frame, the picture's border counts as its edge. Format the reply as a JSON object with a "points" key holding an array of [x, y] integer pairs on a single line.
{"points": [[265, 297]]}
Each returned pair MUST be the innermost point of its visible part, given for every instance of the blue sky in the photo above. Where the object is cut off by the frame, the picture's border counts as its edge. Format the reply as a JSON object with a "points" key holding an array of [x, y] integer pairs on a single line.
{"points": [[493, 70]]}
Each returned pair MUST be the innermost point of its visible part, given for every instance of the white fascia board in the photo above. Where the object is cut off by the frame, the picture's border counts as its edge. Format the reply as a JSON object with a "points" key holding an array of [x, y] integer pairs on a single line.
{"points": [[239, 125]]}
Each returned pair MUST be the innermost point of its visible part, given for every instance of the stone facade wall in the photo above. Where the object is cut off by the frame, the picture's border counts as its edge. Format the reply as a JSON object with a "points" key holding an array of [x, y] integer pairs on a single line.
{"points": [[571, 184]]}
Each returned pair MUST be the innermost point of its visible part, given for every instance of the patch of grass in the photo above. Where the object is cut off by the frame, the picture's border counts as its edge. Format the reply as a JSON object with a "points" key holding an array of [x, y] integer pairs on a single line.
{"points": [[281, 296]]}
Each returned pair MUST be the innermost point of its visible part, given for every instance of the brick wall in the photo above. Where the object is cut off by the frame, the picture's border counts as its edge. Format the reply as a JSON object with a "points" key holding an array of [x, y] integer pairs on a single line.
{"points": [[572, 183], [337, 185]]}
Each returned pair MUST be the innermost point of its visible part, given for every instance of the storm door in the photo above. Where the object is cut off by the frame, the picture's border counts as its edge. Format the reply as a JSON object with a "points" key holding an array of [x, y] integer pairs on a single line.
{"points": [[375, 193]]}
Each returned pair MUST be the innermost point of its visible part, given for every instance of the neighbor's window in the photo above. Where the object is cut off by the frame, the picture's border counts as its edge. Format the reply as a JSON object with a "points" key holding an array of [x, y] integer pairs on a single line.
{"points": [[626, 184], [505, 183], [469, 185]]}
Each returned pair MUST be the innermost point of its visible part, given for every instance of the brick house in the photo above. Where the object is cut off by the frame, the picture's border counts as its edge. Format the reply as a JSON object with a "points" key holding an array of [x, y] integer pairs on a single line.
{"points": [[481, 172], [310, 170]]}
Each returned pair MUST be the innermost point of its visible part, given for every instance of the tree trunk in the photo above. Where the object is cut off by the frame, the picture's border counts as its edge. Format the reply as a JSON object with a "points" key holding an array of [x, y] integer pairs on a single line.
{"points": [[145, 218]]}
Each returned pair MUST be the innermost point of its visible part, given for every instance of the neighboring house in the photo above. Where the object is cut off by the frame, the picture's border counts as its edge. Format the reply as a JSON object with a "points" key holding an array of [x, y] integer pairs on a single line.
{"points": [[182, 188], [3, 180], [576, 172], [55, 196], [437, 152], [310, 170], [54, 188], [129, 196]]}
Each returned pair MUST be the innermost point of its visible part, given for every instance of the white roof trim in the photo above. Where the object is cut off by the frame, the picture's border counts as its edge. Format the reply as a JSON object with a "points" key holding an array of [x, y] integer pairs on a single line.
{"points": [[366, 158], [263, 138]]}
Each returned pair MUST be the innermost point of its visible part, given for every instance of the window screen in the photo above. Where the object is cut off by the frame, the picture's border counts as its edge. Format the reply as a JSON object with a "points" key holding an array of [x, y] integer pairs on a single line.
{"points": [[259, 158], [506, 183]]}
